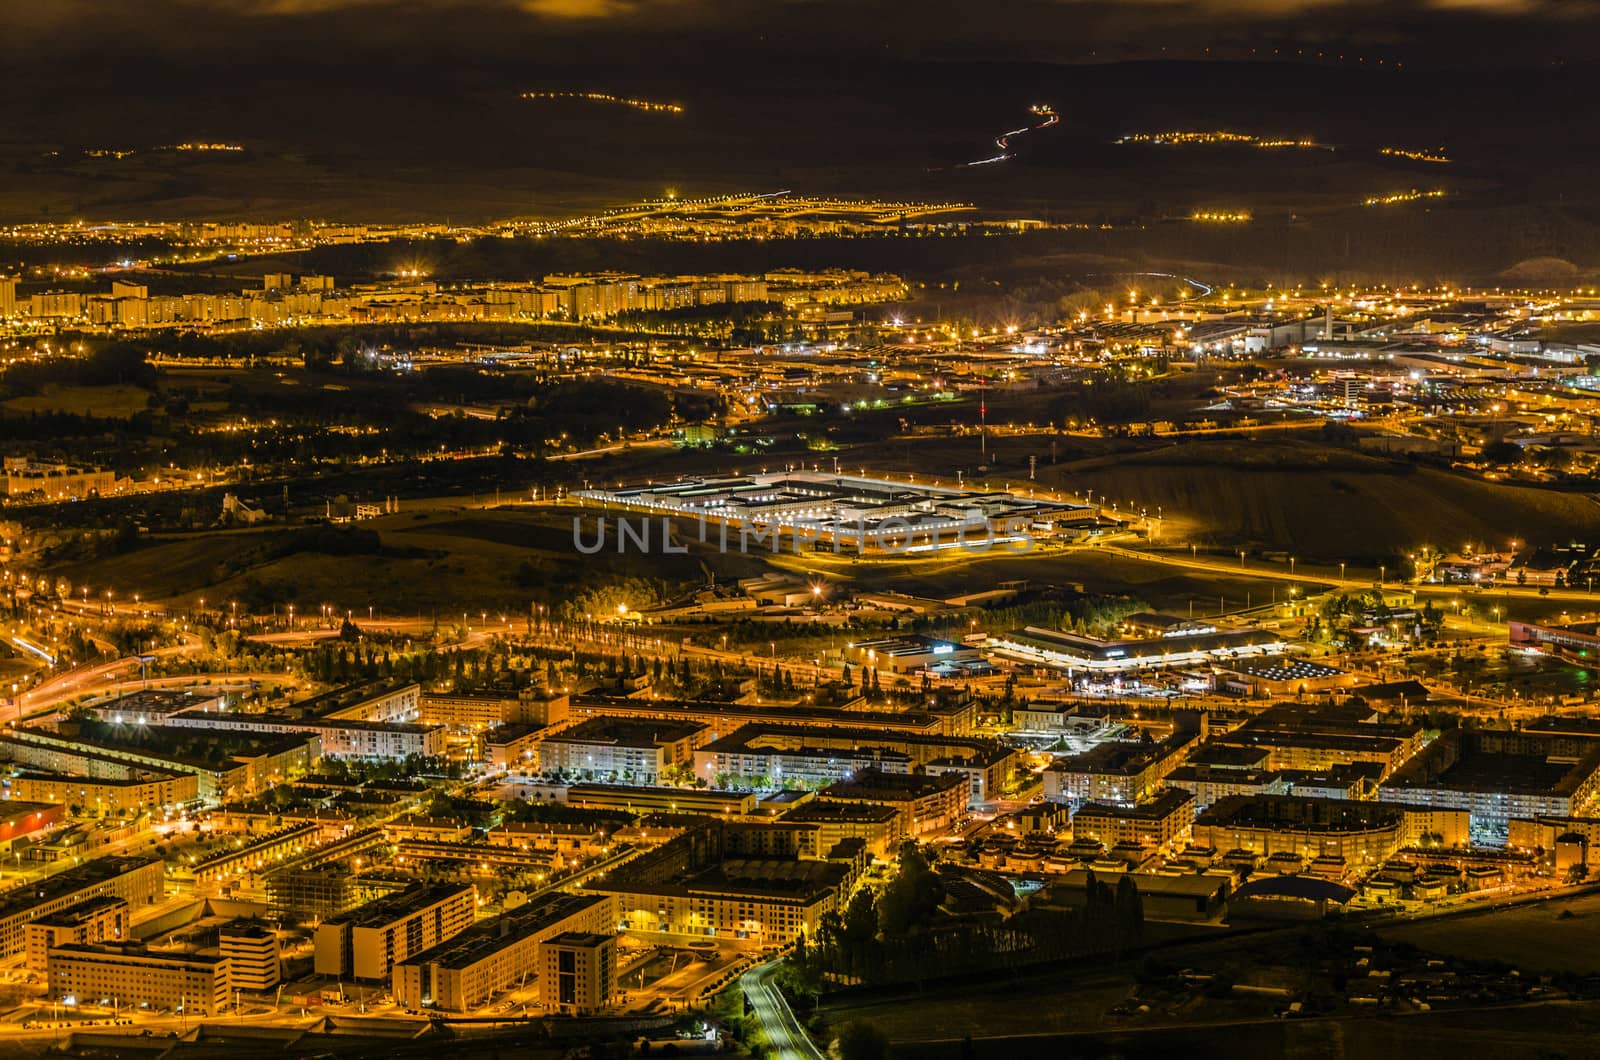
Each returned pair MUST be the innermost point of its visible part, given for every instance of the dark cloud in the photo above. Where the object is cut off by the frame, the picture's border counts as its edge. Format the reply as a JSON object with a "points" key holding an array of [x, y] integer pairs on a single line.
{"points": [[1043, 29]]}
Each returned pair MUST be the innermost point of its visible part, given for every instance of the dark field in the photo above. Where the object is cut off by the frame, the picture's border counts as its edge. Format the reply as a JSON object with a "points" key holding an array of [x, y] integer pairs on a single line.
{"points": [[896, 129]]}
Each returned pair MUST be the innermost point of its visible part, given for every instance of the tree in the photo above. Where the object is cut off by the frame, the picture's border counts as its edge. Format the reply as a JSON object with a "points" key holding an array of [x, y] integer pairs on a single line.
{"points": [[859, 1040], [1130, 911], [1502, 453], [912, 898]]}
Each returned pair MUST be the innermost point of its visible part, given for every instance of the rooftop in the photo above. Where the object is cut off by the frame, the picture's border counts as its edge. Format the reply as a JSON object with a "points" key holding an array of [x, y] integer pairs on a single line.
{"points": [[1291, 814], [627, 732], [351, 695], [839, 813], [154, 701], [81, 877], [1169, 802], [392, 907], [1125, 757], [1282, 668], [878, 786]]}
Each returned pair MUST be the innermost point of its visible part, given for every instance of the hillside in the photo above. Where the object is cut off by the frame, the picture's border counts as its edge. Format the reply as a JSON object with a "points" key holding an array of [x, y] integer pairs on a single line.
{"points": [[1328, 505]]}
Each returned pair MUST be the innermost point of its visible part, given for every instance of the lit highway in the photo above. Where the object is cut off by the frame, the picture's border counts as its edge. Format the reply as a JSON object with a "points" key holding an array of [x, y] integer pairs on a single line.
{"points": [[789, 1039]]}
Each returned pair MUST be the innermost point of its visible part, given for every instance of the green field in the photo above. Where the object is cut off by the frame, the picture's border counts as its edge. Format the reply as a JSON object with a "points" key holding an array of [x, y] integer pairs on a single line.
{"points": [[119, 401], [1266, 492], [439, 558], [1534, 936], [1281, 495]]}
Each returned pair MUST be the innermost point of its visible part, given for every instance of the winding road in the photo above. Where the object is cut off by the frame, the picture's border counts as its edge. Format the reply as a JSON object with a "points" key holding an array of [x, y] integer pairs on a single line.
{"points": [[1003, 141]]}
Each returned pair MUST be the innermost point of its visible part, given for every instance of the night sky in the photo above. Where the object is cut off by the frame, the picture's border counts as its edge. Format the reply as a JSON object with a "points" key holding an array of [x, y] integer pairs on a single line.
{"points": [[219, 32], [399, 108]]}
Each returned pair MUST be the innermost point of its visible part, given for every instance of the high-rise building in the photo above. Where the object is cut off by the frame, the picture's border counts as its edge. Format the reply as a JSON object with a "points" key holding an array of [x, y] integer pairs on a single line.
{"points": [[252, 952], [8, 296], [579, 973], [102, 919], [497, 954], [367, 942]]}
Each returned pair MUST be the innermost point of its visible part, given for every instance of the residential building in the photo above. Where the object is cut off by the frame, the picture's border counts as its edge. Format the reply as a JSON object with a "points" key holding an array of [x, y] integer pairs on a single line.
{"points": [[252, 952], [880, 827], [145, 789], [392, 699], [512, 746], [152, 706], [1208, 784], [923, 802], [136, 881], [1363, 834], [777, 755], [495, 955], [1159, 823], [579, 973], [689, 889], [648, 800], [1498, 775], [1121, 773], [103, 919], [338, 737], [367, 942], [134, 977], [632, 751]]}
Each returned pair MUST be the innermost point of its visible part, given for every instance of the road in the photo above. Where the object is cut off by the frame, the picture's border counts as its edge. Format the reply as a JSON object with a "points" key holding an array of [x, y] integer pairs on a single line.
{"points": [[651, 443], [1305, 575], [789, 1039]]}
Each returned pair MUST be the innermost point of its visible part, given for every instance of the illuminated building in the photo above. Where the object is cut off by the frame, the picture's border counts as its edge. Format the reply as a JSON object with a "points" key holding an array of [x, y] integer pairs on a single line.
{"points": [[1158, 823], [508, 747], [1363, 834], [252, 953], [338, 737], [55, 481], [772, 755], [1496, 776], [366, 943], [880, 827], [139, 789], [19, 819], [923, 802], [131, 976], [152, 706], [724, 718], [689, 888], [258, 854], [626, 749], [495, 955], [1121, 773], [96, 920], [636, 799], [908, 654], [137, 881], [579, 973]]}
